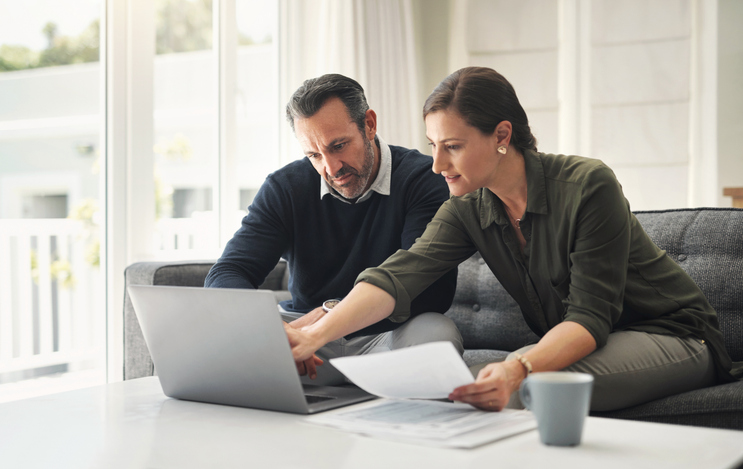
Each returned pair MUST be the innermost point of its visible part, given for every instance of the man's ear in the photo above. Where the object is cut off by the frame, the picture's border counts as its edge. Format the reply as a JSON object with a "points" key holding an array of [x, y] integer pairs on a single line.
{"points": [[503, 132], [370, 124]]}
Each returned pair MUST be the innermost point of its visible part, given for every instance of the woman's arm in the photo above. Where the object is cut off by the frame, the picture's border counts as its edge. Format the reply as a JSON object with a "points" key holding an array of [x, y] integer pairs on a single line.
{"points": [[562, 346], [364, 305], [385, 292]]}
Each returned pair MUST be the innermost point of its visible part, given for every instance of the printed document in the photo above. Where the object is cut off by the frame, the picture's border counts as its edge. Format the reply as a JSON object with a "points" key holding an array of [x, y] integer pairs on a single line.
{"points": [[407, 378], [441, 424]]}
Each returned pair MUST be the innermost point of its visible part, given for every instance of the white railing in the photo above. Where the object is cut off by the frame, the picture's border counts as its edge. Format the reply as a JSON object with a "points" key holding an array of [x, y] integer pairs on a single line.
{"points": [[51, 308], [191, 238], [197, 233], [51, 296]]}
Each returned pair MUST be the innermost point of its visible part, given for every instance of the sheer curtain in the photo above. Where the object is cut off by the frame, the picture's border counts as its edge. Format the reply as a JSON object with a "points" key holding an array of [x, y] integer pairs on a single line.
{"points": [[371, 41]]}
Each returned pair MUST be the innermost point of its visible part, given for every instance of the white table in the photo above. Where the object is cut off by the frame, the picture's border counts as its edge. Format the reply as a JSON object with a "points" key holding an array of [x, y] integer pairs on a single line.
{"points": [[133, 425]]}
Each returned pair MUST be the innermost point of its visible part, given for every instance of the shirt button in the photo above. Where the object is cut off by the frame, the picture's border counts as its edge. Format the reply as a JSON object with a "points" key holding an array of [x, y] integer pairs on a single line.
{"points": [[682, 257], [475, 307], [481, 261]]}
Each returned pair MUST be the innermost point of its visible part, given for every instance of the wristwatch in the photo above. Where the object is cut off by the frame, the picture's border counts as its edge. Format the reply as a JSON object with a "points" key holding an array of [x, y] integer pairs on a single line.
{"points": [[327, 305]]}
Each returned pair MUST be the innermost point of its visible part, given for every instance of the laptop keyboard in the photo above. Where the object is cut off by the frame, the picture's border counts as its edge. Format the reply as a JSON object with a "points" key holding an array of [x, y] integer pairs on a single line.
{"points": [[312, 398]]}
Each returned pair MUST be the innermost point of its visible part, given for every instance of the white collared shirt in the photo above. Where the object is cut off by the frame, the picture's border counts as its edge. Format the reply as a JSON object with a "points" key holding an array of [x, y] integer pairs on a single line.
{"points": [[381, 183]]}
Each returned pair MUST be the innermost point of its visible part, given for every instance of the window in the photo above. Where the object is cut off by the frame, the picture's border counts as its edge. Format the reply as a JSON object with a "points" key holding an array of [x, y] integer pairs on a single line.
{"points": [[51, 285], [108, 162]]}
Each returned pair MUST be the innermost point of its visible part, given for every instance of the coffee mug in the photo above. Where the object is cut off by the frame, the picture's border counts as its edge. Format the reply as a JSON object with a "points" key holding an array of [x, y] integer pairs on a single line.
{"points": [[560, 401]]}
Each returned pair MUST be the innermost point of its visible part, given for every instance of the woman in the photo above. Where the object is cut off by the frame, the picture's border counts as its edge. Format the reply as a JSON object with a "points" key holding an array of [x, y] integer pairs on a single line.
{"points": [[559, 235]]}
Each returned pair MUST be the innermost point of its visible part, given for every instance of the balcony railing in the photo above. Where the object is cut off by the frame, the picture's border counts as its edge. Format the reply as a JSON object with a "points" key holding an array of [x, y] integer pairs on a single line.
{"points": [[51, 297], [52, 312]]}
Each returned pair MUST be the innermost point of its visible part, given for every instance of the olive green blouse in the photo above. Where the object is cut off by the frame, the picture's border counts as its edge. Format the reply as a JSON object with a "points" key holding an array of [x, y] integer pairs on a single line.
{"points": [[586, 260]]}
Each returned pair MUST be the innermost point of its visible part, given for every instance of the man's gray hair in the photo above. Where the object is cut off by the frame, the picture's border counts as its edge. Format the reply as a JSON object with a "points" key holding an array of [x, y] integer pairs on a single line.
{"points": [[312, 95]]}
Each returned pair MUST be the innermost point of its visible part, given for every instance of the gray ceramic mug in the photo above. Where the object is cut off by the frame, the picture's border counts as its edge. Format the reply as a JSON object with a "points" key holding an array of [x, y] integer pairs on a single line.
{"points": [[560, 401]]}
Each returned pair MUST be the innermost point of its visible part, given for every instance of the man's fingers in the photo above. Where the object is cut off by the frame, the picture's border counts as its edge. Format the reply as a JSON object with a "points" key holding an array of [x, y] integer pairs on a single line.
{"points": [[311, 370]]}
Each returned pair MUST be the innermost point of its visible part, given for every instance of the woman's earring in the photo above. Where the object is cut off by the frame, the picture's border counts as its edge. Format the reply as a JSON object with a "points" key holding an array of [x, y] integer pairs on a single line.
{"points": [[502, 149]]}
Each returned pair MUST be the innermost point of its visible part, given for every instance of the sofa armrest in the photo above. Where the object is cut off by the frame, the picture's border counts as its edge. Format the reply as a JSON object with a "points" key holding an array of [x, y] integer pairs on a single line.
{"points": [[137, 361]]}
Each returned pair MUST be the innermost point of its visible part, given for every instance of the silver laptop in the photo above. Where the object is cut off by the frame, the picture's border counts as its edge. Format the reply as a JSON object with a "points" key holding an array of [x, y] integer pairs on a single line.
{"points": [[228, 346]]}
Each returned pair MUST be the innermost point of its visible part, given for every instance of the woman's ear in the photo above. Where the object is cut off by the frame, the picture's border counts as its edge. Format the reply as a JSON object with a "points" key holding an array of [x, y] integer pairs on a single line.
{"points": [[502, 133]]}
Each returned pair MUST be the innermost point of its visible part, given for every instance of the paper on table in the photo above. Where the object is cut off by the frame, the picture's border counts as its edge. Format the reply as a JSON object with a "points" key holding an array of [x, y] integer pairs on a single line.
{"points": [[442, 424], [427, 371]]}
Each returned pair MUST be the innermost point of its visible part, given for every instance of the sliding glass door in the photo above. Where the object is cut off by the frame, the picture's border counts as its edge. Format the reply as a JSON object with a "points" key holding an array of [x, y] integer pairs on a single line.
{"points": [[51, 287], [130, 130]]}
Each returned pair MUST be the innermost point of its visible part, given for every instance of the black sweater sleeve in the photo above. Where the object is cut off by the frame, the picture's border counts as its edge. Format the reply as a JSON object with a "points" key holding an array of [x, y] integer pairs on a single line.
{"points": [[258, 245]]}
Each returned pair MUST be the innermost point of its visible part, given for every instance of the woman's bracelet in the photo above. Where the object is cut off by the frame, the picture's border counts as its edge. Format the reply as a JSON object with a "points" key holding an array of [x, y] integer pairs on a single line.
{"points": [[524, 361]]}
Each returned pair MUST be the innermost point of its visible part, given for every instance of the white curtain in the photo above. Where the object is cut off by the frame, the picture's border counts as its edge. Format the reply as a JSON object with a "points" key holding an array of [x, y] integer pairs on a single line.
{"points": [[371, 41]]}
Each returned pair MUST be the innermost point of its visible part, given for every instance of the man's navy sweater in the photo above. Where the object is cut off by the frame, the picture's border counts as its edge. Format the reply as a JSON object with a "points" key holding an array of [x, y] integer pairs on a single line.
{"points": [[327, 242]]}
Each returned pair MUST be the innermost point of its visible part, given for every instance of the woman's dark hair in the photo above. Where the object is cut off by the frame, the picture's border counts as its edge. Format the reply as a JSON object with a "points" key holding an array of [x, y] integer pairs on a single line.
{"points": [[310, 97], [484, 98]]}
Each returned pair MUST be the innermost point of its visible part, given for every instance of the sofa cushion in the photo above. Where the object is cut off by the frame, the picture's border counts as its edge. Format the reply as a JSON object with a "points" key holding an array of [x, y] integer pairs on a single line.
{"points": [[718, 407], [480, 356]]}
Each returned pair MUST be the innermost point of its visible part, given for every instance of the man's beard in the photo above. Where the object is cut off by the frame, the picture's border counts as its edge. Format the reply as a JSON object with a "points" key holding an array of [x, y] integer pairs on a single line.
{"points": [[360, 178]]}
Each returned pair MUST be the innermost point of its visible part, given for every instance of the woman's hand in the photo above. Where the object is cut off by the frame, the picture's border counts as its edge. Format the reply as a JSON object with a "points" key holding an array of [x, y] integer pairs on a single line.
{"points": [[308, 319], [562, 346], [365, 305], [493, 387]]}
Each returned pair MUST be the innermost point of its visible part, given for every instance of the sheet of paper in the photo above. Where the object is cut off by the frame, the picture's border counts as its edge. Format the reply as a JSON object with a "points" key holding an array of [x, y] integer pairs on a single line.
{"points": [[428, 422], [427, 371]]}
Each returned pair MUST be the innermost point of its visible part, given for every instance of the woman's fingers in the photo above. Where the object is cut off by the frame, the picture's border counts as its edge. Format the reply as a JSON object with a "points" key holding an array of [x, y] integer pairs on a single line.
{"points": [[488, 392], [491, 400]]}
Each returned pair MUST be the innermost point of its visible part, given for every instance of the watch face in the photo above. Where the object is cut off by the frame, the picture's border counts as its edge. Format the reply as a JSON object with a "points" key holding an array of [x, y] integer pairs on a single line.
{"points": [[330, 304]]}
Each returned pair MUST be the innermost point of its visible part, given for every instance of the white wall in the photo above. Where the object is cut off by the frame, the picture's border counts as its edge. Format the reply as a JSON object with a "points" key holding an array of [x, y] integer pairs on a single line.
{"points": [[641, 68], [496, 37], [432, 20], [730, 97], [626, 82]]}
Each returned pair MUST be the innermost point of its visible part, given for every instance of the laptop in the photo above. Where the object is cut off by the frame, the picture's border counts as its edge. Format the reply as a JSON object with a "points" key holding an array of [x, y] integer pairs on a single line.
{"points": [[228, 346]]}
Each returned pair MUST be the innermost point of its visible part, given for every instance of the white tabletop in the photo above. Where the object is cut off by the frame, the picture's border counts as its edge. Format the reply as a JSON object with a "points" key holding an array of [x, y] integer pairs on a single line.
{"points": [[133, 425]]}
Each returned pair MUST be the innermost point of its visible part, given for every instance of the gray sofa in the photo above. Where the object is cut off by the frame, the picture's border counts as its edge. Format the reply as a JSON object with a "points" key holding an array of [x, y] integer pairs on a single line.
{"points": [[707, 243]]}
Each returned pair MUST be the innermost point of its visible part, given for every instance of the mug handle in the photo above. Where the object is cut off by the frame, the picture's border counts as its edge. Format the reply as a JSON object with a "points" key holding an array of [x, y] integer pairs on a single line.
{"points": [[524, 394]]}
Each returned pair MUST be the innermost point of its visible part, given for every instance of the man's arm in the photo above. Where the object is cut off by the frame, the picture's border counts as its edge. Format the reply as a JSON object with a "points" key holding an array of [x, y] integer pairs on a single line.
{"points": [[257, 246]]}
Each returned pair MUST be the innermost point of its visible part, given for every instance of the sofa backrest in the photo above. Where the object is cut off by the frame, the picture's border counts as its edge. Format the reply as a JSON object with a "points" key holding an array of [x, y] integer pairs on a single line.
{"points": [[137, 360], [706, 243], [484, 312]]}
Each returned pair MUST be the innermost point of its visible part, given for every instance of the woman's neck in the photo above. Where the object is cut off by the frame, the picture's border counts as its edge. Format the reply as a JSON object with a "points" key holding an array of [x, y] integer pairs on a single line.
{"points": [[510, 184]]}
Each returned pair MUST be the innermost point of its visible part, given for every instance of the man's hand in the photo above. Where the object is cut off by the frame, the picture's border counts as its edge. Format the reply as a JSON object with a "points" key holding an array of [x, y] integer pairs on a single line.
{"points": [[303, 343], [307, 366]]}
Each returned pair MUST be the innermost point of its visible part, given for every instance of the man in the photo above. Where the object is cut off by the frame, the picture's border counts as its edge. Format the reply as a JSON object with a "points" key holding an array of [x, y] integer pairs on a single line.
{"points": [[350, 204]]}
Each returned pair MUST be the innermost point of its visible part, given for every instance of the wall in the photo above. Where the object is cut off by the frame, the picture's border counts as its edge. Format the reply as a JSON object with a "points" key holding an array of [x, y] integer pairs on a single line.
{"points": [[625, 82], [432, 20], [730, 97]]}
